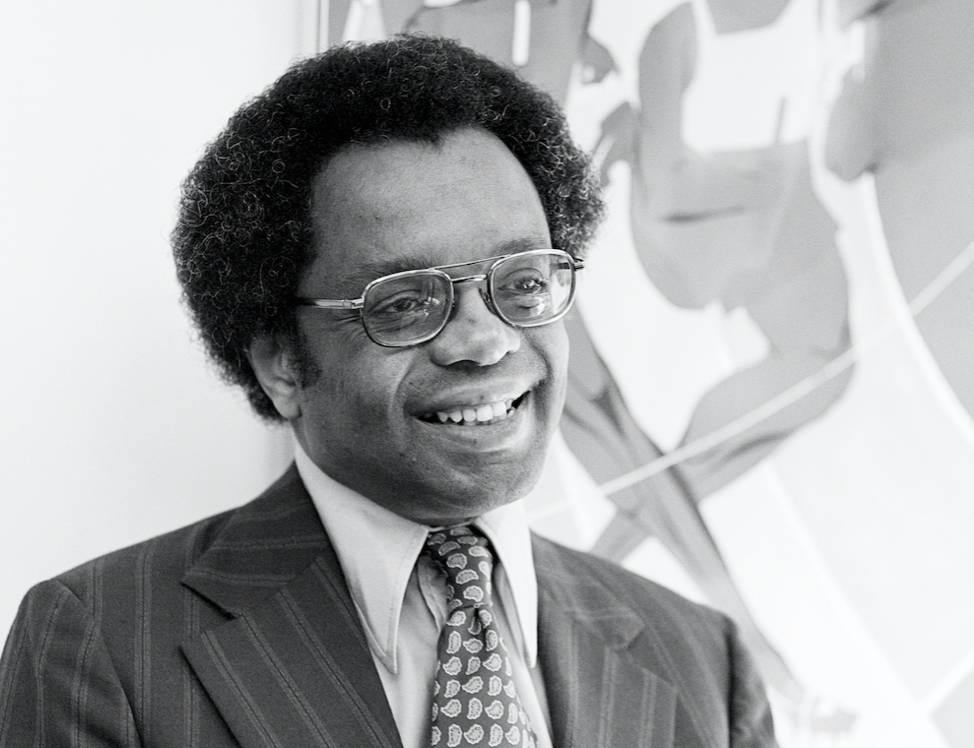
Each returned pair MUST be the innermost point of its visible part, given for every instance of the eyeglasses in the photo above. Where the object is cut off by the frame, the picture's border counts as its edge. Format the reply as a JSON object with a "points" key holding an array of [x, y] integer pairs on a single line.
{"points": [[525, 289]]}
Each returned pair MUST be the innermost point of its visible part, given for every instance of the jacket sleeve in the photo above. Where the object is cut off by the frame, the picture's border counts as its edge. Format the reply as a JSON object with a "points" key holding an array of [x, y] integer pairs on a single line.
{"points": [[58, 684], [751, 724]]}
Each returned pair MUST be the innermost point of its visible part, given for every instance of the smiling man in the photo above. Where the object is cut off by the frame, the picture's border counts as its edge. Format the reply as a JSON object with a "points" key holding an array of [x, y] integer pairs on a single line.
{"points": [[446, 429], [380, 250]]}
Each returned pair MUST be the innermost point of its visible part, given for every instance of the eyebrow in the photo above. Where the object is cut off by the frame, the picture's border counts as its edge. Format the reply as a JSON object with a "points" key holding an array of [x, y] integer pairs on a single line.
{"points": [[371, 270]]}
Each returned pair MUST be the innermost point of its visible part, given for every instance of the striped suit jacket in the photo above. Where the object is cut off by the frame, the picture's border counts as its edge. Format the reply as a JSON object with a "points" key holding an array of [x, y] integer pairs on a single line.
{"points": [[239, 631]]}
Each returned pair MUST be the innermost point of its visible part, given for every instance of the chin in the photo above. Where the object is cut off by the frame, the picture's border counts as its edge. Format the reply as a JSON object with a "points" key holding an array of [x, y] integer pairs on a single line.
{"points": [[495, 491]]}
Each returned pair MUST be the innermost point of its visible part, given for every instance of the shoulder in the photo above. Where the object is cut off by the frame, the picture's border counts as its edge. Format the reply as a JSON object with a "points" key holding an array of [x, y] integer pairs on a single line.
{"points": [[91, 622], [156, 566], [693, 647], [582, 574], [164, 557], [655, 625]]}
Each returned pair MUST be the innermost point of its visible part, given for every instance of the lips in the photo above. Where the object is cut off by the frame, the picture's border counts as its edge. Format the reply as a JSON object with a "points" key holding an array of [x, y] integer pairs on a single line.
{"points": [[482, 414]]}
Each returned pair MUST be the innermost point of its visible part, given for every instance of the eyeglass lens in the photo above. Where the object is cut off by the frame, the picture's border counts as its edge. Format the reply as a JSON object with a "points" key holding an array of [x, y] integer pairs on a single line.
{"points": [[526, 289]]}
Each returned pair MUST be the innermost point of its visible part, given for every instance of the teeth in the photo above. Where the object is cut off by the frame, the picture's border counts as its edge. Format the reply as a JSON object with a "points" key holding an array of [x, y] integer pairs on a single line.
{"points": [[486, 413]]}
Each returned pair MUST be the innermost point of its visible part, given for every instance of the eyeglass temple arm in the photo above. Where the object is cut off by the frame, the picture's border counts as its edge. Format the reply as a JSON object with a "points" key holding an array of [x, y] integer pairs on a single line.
{"points": [[332, 303]]}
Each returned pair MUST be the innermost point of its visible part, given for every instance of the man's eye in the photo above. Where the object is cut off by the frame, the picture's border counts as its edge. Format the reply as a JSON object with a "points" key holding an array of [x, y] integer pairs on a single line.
{"points": [[404, 303], [525, 282]]}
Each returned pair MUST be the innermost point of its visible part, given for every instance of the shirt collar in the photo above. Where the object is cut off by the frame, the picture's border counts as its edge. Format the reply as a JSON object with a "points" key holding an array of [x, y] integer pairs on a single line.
{"points": [[377, 581]]}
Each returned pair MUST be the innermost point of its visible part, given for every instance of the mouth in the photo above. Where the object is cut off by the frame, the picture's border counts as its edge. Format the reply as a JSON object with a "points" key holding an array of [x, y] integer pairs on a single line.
{"points": [[483, 414]]}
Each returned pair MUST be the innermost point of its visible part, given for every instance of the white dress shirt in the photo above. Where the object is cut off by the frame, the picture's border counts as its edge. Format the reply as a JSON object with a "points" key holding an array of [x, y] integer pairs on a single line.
{"points": [[401, 599]]}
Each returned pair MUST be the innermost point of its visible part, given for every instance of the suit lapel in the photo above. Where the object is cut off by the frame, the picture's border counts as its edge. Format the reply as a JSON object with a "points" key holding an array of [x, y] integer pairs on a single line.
{"points": [[597, 694], [292, 667]]}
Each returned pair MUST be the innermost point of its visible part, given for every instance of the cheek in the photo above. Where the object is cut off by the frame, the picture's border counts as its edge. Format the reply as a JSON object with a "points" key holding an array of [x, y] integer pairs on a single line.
{"points": [[555, 349], [358, 388], [551, 345]]}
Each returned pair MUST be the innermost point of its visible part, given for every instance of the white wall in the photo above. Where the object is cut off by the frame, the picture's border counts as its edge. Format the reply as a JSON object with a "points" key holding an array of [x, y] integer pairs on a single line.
{"points": [[113, 427]]}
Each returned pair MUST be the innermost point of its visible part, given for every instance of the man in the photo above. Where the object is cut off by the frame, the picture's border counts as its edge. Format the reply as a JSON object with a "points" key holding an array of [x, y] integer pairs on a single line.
{"points": [[367, 250]]}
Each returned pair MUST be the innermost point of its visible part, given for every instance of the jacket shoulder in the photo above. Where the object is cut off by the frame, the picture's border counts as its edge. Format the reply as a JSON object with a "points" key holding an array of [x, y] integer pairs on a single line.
{"points": [[162, 561], [168, 555], [581, 573], [694, 647]]}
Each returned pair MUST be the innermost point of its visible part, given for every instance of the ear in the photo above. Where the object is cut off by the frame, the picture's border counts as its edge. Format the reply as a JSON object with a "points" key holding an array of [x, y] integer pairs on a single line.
{"points": [[270, 356]]}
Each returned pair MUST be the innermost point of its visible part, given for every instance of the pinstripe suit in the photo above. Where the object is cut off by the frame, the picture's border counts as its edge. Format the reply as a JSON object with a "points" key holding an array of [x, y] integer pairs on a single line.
{"points": [[240, 631]]}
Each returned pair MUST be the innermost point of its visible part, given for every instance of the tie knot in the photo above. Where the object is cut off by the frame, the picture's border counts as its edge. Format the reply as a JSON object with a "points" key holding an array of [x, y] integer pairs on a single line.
{"points": [[464, 555]]}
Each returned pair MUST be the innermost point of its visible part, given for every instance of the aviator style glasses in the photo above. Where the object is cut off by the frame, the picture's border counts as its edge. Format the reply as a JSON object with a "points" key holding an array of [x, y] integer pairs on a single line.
{"points": [[525, 289]]}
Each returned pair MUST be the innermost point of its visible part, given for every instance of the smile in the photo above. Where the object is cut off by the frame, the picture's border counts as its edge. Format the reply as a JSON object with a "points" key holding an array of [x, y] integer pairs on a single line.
{"points": [[476, 415]]}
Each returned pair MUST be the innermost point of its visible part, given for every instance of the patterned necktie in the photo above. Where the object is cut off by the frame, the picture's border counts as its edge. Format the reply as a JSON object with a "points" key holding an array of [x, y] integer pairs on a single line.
{"points": [[474, 699]]}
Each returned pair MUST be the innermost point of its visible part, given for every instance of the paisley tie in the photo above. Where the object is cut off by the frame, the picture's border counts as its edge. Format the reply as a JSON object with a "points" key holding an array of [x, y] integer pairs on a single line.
{"points": [[474, 699]]}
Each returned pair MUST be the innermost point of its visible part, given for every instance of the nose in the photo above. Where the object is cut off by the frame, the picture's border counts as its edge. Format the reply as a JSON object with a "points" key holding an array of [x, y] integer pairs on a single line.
{"points": [[474, 333]]}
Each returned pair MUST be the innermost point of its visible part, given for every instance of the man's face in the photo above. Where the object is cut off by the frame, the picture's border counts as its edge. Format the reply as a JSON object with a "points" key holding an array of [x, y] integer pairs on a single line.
{"points": [[370, 419]]}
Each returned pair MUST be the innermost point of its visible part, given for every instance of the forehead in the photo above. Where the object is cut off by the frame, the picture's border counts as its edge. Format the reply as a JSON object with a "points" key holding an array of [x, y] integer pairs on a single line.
{"points": [[402, 205]]}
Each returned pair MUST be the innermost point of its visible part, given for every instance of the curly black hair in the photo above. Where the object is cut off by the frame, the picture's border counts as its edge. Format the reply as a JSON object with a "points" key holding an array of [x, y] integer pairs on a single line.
{"points": [[243, 235]]}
